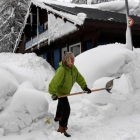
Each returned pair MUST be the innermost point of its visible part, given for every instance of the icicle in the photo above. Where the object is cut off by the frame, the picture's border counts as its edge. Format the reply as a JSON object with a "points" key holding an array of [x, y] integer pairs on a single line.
{"points": [[75, 23]]}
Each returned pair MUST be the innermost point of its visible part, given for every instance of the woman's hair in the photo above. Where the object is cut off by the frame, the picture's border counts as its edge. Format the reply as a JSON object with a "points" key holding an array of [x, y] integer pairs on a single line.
{"points": [[66, 58]]}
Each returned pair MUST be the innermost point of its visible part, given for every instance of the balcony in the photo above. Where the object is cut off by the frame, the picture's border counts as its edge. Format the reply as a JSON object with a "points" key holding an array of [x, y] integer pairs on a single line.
{"points": [[43, 36]]}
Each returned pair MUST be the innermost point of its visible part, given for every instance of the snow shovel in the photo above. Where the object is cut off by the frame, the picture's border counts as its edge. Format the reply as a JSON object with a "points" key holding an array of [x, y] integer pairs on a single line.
{"points": [[108, 87]]}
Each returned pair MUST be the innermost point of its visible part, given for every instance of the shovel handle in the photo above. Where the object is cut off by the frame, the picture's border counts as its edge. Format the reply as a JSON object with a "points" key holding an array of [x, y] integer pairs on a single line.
{"points": [[108, 87], [98, 89], [81, 92]]}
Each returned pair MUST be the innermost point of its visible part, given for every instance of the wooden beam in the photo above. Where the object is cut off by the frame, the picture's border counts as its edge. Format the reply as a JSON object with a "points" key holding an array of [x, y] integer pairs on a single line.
{"points": [[37, 27], [95, 38], [31, 21], [110, 25], [103, 24]]}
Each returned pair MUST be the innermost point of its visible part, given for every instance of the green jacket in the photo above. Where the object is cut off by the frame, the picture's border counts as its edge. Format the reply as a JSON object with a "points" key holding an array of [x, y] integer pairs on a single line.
{"points": [[65, 77]]}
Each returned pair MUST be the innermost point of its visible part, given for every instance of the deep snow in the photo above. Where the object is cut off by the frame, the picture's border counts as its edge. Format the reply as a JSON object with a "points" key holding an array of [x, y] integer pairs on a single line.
{"points": [[27, 106], [27, 111]]}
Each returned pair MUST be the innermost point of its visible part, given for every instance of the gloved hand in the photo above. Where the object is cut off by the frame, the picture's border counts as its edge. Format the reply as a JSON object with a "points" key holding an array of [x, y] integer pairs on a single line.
{"points": [[87, 89], [54, 97]]}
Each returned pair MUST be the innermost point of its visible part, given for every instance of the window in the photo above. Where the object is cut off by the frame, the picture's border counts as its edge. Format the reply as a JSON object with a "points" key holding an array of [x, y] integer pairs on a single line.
{"points": [[46, 25], [75, 49], [63, 51], [40, 29], [101, 43], [88, 45], [45, 56]]}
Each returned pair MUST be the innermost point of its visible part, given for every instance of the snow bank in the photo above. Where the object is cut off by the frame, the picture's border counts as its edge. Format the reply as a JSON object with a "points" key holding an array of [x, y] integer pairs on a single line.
{"points": [[100, 97], [23, 107], [8, 86], [28, 67], [98, 112], [103, 64], [32, 101], [27, 108], [111, 60]]}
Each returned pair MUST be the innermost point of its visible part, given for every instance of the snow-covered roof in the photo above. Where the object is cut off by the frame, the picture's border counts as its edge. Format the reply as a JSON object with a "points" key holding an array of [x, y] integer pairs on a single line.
{"points": [[76, 19], [109, 12], [116, 6], [72, 17]]}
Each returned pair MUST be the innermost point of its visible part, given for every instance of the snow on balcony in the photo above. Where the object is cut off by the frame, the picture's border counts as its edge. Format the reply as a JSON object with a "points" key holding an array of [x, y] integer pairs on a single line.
{"points": [[34, 41]]}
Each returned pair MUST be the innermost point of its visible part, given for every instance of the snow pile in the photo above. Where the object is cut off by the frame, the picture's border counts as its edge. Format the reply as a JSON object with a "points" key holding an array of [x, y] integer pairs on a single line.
{"points": [[27, 67], [111, 63], [27, 108], [23, 107], [114, 115], [8, 86], [103, 64]]}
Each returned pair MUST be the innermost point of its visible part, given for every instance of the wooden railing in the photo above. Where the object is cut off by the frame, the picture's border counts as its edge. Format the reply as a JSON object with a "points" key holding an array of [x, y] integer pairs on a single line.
{"points": [[34, 41]]}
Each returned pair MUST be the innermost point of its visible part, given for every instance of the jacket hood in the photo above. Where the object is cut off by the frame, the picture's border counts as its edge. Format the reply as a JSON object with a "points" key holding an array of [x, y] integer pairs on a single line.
{"points": [[60, 63]]}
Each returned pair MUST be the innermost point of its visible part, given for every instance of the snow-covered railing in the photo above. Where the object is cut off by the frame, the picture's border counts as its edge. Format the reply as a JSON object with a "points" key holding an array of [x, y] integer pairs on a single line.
{"points": [[43, 36], [28, 44], [34, 40]]}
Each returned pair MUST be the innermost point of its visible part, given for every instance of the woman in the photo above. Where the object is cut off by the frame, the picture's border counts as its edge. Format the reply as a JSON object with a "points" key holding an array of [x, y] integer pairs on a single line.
{"points": [[61, 84]]}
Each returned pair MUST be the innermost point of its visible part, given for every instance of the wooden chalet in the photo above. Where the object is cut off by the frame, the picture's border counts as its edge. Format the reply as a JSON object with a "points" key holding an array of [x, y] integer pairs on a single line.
{"points": [[49, 30]]}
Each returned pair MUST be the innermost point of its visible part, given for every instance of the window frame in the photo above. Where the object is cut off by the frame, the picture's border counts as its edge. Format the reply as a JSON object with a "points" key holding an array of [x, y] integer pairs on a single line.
{"points": [[75, 45], [45, 23]]}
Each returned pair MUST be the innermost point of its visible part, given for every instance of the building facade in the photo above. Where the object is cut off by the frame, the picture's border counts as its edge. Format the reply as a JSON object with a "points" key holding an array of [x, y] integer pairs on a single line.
{"points": [[50, 30]]}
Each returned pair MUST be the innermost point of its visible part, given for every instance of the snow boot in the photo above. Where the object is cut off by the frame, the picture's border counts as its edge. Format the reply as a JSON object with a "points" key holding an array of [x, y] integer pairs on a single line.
{"points": [[66, 128], [57, 119], [63, 130]]}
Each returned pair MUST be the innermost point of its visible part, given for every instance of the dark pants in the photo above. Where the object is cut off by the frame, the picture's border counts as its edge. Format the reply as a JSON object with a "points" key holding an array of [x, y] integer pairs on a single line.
{"points": [[63, 111]]}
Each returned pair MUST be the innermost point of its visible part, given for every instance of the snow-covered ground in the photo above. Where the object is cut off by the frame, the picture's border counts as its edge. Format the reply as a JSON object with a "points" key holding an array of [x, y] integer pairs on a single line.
{"points": [[27, 110]]}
